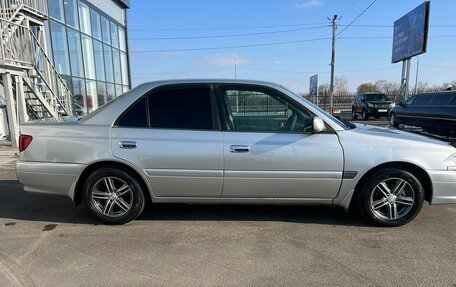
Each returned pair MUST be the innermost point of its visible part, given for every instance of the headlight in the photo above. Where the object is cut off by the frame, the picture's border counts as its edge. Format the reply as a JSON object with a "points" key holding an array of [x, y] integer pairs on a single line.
{"points": [[393, 105], [450, 162], [370, 105]]}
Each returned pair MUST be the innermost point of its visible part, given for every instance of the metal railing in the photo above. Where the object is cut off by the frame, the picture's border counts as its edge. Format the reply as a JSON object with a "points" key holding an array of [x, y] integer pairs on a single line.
{"points": [[20, 48], [9, 8]]}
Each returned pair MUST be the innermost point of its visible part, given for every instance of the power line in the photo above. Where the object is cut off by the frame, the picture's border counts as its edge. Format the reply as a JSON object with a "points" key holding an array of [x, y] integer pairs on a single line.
{"points": [[349, 7], [360, 14], [228, 35], [230, 28], [231, 47], [264, 70]]}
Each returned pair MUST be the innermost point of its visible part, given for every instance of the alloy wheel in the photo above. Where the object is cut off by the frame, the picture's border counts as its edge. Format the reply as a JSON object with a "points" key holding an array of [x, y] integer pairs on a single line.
{"points": [[112, 196], [392, 199]]}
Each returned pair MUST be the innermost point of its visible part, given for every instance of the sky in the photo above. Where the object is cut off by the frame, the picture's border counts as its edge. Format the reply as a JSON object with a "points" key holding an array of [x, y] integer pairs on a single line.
{"points": [[284, 41]]}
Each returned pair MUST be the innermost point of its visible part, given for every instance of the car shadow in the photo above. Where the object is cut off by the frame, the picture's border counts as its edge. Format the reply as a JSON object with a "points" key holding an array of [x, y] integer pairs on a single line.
{"points": [[16, 204]]}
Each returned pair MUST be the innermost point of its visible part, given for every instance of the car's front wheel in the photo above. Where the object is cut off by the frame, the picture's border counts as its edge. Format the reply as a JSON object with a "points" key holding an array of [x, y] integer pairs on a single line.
{"points": [[364, 115], [393, 121], [354, 115], [114, 196], [390, 197]]}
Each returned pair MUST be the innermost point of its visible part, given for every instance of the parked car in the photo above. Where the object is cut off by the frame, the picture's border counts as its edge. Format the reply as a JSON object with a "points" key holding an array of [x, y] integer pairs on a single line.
{"points": [[232, 141], [370, 104], [434, 112]]}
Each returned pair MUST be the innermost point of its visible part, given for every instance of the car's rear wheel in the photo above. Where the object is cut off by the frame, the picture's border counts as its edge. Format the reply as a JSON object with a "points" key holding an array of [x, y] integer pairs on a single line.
{"points": [[354, 115], [114, 196], [364, 115], [393, 121], [390, 197]]}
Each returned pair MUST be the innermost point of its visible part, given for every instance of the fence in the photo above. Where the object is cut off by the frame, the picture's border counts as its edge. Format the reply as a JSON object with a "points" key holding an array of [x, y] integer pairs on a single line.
{"points": [[341, 102]]}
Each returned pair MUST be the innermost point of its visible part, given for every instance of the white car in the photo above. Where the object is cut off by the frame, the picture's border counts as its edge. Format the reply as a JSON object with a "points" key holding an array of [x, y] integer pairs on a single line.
{"points": [[232, 141]]}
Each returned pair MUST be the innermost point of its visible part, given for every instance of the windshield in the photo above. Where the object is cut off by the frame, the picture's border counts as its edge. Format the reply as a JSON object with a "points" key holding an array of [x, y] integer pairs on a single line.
{"points": [[376, 97]]}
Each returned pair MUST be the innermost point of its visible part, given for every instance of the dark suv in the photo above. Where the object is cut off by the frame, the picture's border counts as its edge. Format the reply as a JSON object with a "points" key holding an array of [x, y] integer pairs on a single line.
{"points": [[371, 104]]}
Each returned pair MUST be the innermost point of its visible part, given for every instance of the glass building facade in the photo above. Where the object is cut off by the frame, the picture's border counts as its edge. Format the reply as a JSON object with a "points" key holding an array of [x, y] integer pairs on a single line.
{"points": [[88, 46]]}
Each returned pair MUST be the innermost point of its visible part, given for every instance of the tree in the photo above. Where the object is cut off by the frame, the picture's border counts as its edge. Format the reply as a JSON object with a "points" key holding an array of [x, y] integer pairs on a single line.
{"points": [[340, 85], [367, 87]]}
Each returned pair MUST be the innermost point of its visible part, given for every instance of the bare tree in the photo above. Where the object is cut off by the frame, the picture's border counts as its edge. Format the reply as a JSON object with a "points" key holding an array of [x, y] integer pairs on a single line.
{"points": [[340, 85]]}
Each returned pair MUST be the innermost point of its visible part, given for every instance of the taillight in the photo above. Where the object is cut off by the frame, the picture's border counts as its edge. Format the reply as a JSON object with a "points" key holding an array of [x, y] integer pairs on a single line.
{"points": [[24, 142]]}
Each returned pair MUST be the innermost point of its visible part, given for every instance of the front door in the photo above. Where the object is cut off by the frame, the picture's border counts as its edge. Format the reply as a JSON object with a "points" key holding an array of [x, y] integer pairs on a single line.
{"points": [[172, 136], [270, 150]]}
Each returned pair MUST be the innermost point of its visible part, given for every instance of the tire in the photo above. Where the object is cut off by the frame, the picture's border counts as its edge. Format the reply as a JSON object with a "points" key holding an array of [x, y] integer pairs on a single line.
{"points": [[364, 115], [114, 196], [381, 203], [392, 120], [354, 115]]}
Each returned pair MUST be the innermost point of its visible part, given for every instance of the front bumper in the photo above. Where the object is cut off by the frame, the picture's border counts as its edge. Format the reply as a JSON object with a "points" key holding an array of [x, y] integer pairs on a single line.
{"points": [[49, 177], [380, 112], [443, 186]]}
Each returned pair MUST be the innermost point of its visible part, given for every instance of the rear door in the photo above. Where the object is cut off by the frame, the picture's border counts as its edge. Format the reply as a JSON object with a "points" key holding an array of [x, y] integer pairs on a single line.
{"points": [[269, 148], [172, 135]]}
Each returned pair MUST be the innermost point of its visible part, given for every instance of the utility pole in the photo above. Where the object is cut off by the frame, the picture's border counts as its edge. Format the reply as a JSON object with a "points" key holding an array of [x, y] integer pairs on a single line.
{"points": [[333, 56]]}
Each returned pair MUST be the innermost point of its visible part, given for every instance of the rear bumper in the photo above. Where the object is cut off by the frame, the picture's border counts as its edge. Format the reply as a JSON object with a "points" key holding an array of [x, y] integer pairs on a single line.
{"points": [[46, 177], [443, 186]]}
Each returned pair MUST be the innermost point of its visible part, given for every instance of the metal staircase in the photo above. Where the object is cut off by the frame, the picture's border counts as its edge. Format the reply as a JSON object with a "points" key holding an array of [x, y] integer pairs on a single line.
{"points": [[33, 86]]}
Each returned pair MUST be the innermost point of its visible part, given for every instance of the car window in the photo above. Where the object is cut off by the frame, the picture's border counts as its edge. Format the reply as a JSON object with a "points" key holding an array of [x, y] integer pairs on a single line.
{"points": [[377, 97], [423, 100], [181, 108], [410, 101], [250, 110], [134, 116], [442, 99]]}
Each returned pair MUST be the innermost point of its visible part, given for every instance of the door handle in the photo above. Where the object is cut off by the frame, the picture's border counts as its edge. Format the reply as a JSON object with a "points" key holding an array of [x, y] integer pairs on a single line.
{"points": [[127, 144], [239, 148]]}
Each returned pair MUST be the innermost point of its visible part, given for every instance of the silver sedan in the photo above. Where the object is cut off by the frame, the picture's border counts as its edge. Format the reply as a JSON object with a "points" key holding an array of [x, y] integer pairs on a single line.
{"points": [[227, 141]]}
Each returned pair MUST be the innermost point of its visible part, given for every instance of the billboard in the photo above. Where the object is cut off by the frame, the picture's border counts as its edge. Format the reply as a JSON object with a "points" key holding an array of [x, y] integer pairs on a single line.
{"points": [[410, 33], [313, 87]]}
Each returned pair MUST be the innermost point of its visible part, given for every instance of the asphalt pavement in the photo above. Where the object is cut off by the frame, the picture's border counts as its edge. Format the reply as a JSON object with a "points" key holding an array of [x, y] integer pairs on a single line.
{"points": [[46, 241]]}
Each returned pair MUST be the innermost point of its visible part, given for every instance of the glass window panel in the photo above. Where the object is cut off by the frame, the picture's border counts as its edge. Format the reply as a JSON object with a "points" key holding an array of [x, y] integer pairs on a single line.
{"points": [[122, 39], [71, 13], [105, 30], [79, 95], [96, 25], [48, 40], [111, 91], [258, 111], [114, 35], [92, 96], [102, 96], [125, 89], [84, 16], [119, 90], [108, 63], [188, 108], [124, 67], [74, 48], [55, 9], [135, 115], [116, 66], [99, 62], [60, 48], [89, 63]]}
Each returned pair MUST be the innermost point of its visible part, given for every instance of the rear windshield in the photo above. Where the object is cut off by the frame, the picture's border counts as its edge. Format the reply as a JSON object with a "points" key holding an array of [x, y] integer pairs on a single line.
{"points": [[376, 97]]}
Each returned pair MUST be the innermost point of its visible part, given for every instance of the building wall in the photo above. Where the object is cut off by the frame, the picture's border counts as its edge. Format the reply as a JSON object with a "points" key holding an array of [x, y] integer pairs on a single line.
{"points": [[86, 40]]}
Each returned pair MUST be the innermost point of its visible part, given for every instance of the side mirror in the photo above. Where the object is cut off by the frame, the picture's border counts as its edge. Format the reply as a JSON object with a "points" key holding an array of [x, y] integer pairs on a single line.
{"points": [[318, 125]]}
